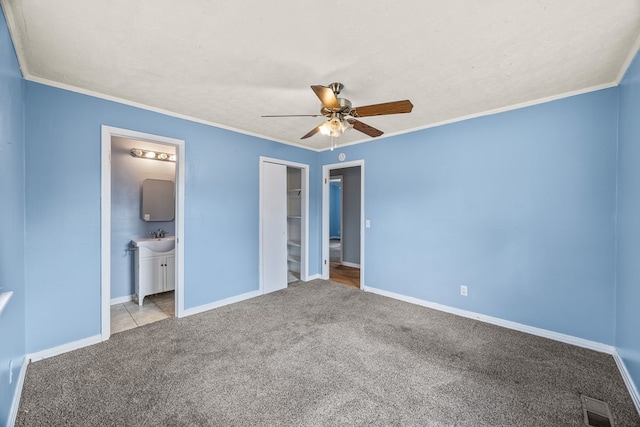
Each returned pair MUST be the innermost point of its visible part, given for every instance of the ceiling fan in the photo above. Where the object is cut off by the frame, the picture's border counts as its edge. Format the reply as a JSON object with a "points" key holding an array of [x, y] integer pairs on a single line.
{"points": [[342, 117]]}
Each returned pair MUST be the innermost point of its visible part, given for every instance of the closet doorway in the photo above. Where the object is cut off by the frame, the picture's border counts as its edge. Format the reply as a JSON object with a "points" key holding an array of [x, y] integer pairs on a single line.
{"points": [[343, 219], [284, 230]]}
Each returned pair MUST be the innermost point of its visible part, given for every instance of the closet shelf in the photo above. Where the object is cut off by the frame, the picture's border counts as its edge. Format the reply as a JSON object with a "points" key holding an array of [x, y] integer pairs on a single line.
{"points": [[292, 277], [294, 223], [293, 258]]}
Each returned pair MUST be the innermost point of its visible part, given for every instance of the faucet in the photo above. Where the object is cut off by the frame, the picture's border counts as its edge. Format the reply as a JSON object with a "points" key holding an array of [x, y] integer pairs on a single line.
{"points": [[158, 234]]}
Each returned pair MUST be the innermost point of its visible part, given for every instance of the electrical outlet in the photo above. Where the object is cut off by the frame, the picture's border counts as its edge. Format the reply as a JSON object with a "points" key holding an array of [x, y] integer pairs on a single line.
{"points": [[463, 290], [10, 371]]}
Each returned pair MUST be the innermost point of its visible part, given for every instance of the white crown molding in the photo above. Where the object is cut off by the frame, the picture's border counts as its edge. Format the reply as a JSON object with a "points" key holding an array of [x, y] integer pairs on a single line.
{"points": [[18, 46], [627, 62], [487, 113], [94, 94], [123, 101]]}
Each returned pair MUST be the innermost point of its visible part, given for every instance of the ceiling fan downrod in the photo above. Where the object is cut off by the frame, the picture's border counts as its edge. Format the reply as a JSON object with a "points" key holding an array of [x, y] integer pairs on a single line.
{"points": [[336, 88]]}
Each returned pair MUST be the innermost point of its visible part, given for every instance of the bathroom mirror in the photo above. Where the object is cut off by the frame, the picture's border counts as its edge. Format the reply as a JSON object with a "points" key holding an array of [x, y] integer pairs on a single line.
{"points": [[158, 200]]}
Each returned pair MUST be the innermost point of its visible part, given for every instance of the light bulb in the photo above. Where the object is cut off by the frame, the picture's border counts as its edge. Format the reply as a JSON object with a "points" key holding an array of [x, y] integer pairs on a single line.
{"points": [[150, 155]]}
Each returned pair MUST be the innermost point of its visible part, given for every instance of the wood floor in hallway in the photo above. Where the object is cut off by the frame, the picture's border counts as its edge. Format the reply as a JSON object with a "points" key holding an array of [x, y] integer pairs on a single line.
{"points": [[349, 276]]}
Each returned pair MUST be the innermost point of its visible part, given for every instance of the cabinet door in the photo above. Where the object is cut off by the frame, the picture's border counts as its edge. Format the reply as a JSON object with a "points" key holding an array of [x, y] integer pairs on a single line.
{"points": [[170, 273], [151, 276]]}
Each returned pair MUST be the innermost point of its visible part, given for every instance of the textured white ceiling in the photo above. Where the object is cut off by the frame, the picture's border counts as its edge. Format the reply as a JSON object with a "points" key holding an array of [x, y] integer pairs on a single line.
{"points": [[229, 62]]}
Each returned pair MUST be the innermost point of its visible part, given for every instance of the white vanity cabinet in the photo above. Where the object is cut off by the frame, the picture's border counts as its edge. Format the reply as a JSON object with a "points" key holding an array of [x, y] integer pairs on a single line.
{"points": [[154, 272]]}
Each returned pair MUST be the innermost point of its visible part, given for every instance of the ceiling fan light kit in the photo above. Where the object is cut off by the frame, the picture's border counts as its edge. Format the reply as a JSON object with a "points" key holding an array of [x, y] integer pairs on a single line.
{"points": [[335, 127], [342, 117]]}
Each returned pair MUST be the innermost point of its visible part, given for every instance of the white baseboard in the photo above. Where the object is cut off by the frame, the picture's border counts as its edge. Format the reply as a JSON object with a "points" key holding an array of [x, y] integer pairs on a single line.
{"points": [[40, 355], [74, 345], [314, 277], [121, 300], [15, 404], [350, 264], [221, 303], [556, 336], [633, 391]]}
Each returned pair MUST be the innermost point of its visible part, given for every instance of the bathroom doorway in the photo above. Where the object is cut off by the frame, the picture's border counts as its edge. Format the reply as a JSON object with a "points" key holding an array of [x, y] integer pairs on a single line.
{"points": [[130, 159]]}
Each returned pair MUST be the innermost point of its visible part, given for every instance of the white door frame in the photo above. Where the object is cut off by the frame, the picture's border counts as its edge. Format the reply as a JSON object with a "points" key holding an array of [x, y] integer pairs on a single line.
{"points": [[326, 176], [105, 206], [304, 249]]}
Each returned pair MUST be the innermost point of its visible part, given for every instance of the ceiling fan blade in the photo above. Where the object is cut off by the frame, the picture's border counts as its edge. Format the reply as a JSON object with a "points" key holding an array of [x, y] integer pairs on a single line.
{"points": [[395, 107], [365, 128], [313, 131], [294, 115], [326, 95]]}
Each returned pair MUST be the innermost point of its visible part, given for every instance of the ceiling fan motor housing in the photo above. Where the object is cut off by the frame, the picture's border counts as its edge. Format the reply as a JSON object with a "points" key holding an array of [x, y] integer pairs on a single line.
{"points": [[345, 108]]}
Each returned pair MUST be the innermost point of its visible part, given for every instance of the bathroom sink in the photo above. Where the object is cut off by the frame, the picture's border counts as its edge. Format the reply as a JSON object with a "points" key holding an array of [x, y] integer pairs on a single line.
{"points": [[162, 244]]}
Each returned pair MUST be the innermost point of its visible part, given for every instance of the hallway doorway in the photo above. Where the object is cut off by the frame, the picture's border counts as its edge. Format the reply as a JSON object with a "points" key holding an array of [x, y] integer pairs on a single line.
{"points": [[343, 231], [338, 272]]}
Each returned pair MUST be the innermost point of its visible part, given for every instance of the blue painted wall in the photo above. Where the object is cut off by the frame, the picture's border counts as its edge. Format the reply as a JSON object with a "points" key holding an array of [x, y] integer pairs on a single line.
{"points": [[518, 206], [628, 277], [12, 320], [63, 209], [334, 209]]}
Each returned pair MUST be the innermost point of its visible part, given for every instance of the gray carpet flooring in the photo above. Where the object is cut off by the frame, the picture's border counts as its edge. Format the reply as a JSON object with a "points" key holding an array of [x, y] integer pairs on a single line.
{"points": [[320, 353]]}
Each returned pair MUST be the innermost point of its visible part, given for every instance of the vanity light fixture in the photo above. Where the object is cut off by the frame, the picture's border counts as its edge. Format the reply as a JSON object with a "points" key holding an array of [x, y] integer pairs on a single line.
{"points": [[166, 157]]}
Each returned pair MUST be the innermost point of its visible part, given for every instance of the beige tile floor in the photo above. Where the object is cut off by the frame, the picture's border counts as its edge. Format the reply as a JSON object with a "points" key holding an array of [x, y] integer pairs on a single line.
{"points": [[130, 315]]}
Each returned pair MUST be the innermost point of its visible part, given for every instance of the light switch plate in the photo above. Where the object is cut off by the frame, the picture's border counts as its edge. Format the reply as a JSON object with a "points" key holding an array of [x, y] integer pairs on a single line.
{"points": [[367, 223]]}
